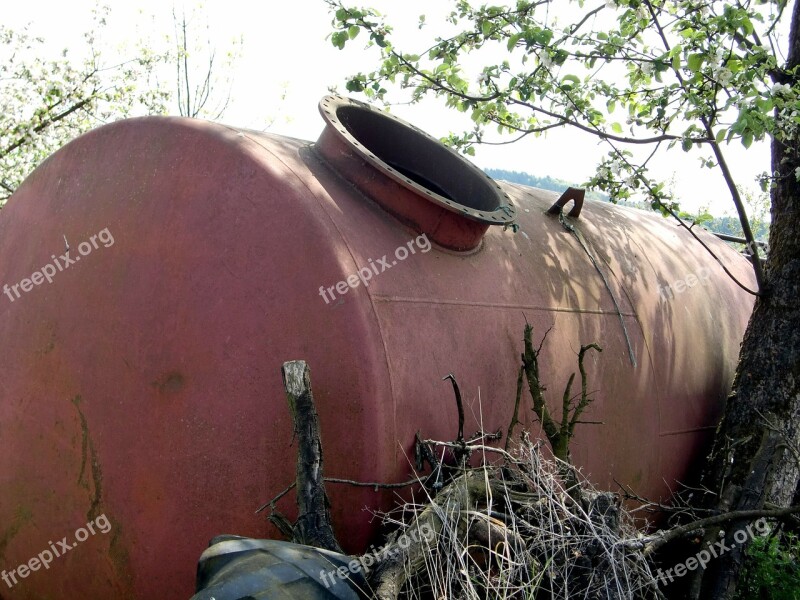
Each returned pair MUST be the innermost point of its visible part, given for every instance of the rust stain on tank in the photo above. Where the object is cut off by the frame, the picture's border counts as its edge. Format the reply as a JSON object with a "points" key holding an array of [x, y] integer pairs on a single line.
{"points": [[88, 455], [22, 516], [170, 383]]}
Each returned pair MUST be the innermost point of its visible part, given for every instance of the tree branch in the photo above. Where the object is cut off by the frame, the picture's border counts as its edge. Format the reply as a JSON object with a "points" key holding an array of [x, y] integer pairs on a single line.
{"points": [[654, 542]]}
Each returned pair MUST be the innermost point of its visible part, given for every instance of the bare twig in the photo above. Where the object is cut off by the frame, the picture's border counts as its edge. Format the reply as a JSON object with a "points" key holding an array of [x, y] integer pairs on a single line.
{"points": [[515, 417], [461, 452]]}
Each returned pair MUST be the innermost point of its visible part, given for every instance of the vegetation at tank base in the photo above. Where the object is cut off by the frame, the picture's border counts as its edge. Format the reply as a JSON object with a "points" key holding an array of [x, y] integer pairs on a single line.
{"points": [[523, 523], [772, 569], [519, 521]]}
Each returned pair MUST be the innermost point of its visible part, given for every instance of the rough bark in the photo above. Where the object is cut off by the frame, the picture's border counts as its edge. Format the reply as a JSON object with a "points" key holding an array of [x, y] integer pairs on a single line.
{"points": [[313, 526], [754, 458]]}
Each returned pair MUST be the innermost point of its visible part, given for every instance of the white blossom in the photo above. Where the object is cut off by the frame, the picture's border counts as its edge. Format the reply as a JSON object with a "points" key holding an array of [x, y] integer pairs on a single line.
{"points": [[724, 76], [781, 88]]}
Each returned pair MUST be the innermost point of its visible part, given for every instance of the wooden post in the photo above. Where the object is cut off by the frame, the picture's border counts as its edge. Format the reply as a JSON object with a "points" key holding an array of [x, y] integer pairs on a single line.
{"points": [[313, 526]]}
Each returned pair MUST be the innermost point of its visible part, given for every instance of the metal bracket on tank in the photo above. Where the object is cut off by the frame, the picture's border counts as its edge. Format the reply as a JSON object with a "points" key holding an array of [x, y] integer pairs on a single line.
{"points": [[575, 194]]}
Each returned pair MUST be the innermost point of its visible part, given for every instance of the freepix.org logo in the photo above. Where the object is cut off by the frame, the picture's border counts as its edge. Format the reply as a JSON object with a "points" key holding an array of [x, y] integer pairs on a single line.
{"points": [[381, 265], [59, 264], [715, 550], [424, 533], [60, 548]]}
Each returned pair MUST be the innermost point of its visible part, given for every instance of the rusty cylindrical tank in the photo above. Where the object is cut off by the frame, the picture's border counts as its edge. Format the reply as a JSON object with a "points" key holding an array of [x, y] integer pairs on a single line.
{"points": [[141, 371]]}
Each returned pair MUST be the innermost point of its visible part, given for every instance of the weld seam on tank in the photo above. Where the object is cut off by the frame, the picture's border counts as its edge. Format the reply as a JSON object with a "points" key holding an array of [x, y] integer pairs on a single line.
{"points": [[559, 309]]}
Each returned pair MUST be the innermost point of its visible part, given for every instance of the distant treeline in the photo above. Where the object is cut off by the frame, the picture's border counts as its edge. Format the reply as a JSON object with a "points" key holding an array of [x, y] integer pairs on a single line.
{"points": [[729, 225], [543, 183]]}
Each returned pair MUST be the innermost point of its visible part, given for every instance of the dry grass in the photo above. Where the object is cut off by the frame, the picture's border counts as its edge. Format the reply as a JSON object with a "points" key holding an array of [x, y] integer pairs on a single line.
{"points": [[527, 538]]}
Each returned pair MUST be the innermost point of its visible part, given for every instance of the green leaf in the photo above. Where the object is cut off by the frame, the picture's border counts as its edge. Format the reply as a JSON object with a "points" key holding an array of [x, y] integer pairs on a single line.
{"points": [[686, 144], [764, 104], [354, 85], [486, 28], [543, 36], [721, 135], [695, 62], [339, 39], [560, 56], [616, 127], [572, 79], [704, 218], [747, 138], [353, 31]]}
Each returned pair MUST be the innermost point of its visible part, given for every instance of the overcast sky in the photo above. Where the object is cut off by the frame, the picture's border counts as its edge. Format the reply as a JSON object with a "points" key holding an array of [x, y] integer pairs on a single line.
{"points": [[285, 53]]}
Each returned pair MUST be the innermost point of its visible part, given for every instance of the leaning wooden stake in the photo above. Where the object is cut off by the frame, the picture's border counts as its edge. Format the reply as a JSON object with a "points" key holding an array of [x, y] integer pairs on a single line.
{"points": [[313, 526]]}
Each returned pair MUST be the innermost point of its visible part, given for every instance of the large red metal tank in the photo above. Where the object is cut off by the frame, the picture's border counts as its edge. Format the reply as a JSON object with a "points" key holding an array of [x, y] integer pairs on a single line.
{"points": [[141, 386]]}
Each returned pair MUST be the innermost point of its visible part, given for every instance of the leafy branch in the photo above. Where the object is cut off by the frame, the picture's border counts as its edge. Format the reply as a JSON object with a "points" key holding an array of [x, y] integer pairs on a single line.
{"points": [[687, 73]]}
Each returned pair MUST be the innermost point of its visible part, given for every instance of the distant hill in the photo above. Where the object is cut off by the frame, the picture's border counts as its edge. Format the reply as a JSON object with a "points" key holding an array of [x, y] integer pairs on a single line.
{"points": [[729, 225], [544, 183]]}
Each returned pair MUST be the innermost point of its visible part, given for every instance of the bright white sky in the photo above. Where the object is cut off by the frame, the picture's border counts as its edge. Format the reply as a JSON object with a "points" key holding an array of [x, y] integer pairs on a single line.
{"points": [[285, 51]]}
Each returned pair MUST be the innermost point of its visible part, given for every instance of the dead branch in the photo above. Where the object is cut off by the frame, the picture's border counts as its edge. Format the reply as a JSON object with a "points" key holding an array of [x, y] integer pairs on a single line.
{"points": [[652, 543], [460, 453], [558, 434], [530, 363], [515, 417], [584, 402], [313, 525]]}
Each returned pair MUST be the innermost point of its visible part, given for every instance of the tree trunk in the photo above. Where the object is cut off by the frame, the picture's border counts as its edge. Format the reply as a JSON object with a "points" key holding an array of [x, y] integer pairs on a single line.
{"points": [[754, 459]]}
